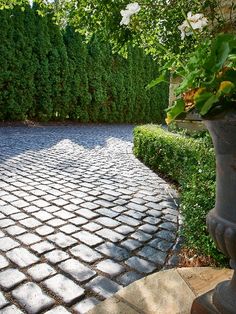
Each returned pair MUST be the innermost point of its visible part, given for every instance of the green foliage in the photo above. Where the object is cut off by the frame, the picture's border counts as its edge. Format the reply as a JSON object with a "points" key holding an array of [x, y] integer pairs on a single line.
{"points": [[210, 76], [191, 163], [52, 74]]}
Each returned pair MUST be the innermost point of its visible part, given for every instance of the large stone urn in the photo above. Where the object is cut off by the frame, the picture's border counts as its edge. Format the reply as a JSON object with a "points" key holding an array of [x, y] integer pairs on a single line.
{"points": [[221, 220]]}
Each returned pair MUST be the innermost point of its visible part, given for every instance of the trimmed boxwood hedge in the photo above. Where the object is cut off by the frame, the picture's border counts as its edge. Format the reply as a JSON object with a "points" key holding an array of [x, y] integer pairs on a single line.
{"points": [[191, 164]]}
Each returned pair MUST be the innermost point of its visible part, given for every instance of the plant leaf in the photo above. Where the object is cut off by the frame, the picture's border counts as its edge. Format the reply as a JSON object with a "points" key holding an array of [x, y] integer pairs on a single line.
{"points": [[160, 79], [174, 111], [204, 101], [225, 88]]}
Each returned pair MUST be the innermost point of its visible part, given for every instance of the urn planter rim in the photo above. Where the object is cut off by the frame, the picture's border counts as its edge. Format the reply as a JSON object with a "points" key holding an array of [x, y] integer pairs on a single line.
{"points": [[229, 115]]}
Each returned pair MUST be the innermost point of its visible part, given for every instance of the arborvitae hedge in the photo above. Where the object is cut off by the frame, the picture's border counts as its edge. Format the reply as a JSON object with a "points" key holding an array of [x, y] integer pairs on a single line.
{"points": [[51, 74]]}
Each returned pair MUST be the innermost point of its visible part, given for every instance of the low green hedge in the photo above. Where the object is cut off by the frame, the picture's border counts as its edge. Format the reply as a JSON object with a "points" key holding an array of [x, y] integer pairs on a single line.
{"points": [[191, 163]]}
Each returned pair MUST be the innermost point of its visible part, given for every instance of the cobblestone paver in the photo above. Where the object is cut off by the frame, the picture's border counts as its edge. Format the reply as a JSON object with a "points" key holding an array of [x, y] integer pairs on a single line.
{"points": [[80, 217]]}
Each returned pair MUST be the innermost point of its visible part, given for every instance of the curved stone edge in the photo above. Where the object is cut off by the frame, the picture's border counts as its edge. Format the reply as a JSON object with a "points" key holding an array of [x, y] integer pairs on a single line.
{"points": [[170, 291]]}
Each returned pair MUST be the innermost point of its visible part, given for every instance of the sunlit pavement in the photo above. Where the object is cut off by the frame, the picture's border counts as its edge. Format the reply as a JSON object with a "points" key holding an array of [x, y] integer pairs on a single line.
{"points": [[80, 217]]}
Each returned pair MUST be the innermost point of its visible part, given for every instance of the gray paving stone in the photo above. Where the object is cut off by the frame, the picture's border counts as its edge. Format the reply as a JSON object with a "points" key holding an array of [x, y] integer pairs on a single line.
{"points": [[157, 206], [85, 305], [85, 253], [129, 277], [139, 201], [70, 207], [148, 228], [20, 204], [128, 220], [77, 270], [64, 288], [119, 209], [154, 213], [32, 298], [6, 223], [63, 214], [41, 203], [3, 262], [59, 201], [140, 265], [107, 222], [171, 218], [19, 216], [104, 203], [58, 310], [137, 207], [29, 238], [134, 214], [56, 256], [107, 197], [90, 205], [22, 257], [88, 238], [52, 209], [3, 300], [141, 236], [153, 255], [78, 221], [42, 247], [12, 309], [110, 235], [161, 244], [8, 210], [166, 235], [124, 229], [69, 229], [41, 271], [110, 267], [92, 226], [31, 209], [44, 230], [42, 215], [7, 244], [15, 230], [103, 286], [120, 202], [107, 212], [170, 226], [152, 220], [62, 240], [87, 213], [10, 278], [56, 222], [114, 251], [30, 223], [131, 244]]}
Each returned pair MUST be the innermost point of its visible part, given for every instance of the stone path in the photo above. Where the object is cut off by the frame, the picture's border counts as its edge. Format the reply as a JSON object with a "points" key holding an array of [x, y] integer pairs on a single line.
{"points": [[80, 217]]}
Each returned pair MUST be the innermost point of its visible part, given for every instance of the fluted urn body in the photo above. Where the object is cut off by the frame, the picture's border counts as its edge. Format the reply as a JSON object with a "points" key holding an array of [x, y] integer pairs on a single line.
{"points": [[221, 221]]}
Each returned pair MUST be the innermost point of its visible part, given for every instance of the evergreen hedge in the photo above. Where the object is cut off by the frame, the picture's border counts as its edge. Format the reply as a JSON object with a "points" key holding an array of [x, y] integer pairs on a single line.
{"points": [[48, 73], [191, 163]]}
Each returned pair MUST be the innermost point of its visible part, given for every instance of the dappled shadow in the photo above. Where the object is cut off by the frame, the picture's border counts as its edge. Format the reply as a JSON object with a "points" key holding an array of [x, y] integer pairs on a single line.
{"points": [[16, 140]]}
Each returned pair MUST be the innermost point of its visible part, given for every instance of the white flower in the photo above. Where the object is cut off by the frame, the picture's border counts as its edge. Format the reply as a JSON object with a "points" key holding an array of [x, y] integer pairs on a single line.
{"points": [[130, 10], [133, 7], [197, 22]]}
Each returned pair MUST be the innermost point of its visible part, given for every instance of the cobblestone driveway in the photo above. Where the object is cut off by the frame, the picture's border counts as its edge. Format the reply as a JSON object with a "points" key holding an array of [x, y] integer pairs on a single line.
{"points": [[80, 217]]}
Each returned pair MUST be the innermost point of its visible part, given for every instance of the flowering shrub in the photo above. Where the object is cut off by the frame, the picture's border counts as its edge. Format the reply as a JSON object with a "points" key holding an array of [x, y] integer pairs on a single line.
{"points": [[130, 10], [193, 22], [208, 72]]}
